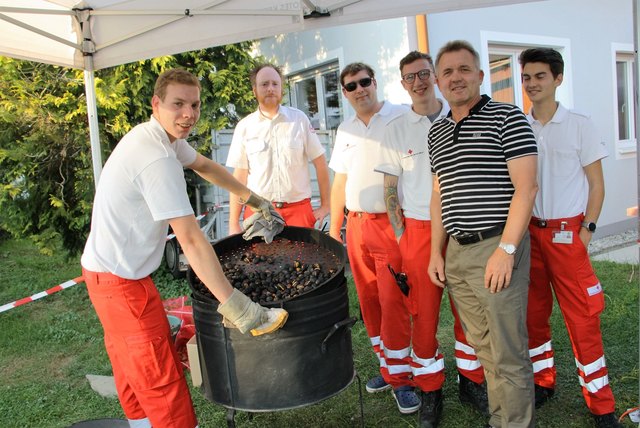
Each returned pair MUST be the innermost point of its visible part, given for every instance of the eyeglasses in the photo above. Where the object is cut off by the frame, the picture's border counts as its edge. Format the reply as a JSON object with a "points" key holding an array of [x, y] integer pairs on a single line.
{"points": [[422, 75], [365, 82]]}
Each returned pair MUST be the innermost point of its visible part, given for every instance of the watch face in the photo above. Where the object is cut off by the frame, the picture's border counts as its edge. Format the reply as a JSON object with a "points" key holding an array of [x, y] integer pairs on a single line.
{"points": [[591, 227], [508, 248]]}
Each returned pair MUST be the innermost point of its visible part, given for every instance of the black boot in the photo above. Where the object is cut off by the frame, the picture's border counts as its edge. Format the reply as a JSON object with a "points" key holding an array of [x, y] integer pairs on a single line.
{"points": [[431, 409], [474, 394], [607, 420], [542, 395]]}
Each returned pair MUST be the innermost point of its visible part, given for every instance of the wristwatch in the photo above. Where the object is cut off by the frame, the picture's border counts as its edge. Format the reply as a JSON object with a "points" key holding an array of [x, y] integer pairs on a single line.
{"points": [[590, 226], [508, 248]]}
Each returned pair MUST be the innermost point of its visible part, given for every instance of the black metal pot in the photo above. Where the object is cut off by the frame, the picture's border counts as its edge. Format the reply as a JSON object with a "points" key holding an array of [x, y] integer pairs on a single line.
{"points": [[301, 234], [308, 360]]}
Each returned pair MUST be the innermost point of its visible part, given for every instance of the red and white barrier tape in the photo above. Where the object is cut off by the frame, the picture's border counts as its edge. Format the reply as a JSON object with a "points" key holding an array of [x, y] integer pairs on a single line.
{"points": [[40, 295], [64, 285]]}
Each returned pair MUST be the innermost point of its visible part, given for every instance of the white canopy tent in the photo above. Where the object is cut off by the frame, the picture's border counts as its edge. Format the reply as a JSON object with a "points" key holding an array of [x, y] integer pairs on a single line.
{"points": [[95, 34]]}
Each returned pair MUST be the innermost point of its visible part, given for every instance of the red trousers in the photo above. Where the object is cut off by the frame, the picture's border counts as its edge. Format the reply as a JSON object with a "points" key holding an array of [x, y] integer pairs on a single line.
{"points": [[567, 269], [294, 214], [148, 374], [424, 300], [371, 246]]}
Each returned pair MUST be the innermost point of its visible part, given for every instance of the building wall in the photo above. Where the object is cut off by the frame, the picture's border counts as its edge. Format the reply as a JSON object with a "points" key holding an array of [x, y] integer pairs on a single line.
{"points": [[588, 27], [381, 44], [591, 26]]}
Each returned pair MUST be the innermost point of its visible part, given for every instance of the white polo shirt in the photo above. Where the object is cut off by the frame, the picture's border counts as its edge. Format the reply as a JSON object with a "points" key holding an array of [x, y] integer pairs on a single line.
{"points": [[405, 155], [141, 187], [566, 144], [357, 152], [277, 153]]}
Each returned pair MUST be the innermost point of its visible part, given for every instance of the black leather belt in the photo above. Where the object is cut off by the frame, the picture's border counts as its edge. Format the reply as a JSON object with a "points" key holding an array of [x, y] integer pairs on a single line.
{"points": [[556, 223], [468, 238], [290, 204]]}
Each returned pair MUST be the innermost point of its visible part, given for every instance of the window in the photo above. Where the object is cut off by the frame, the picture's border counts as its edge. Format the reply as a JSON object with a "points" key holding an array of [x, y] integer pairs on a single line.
{"points": [[499, 54], [625, 113], [504, 70], [317, 93]]}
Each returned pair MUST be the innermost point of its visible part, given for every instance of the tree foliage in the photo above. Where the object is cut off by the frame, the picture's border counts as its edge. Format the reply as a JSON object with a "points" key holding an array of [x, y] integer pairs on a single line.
{"points": [[47, 184]]}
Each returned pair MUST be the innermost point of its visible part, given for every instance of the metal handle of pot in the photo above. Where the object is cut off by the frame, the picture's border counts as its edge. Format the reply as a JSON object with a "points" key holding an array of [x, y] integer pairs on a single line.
{"points": [[348, 322]]}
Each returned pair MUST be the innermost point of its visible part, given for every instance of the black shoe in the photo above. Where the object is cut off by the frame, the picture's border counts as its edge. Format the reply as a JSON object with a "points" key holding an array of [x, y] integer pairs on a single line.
{"points": [[607, 420], [542, 395], [431, 409], [474, 394], [377, 384]]}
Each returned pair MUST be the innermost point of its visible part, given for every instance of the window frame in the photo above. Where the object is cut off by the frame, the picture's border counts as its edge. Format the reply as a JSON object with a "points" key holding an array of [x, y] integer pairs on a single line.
{"points": [[318, 74], [513, 52], [306, 67], [492, 41], [624, 52]]}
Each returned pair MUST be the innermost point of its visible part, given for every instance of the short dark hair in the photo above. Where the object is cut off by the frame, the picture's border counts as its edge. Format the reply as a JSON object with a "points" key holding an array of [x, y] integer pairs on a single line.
{"points": [[354, 68], [253, 74], [174, 75], [546, 56], [458, 45], [414, 56]]}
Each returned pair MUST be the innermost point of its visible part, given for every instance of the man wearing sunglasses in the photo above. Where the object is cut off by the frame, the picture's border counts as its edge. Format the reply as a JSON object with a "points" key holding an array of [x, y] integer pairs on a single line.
{"points": [[407, 191], [371, 243], [270, 153]]}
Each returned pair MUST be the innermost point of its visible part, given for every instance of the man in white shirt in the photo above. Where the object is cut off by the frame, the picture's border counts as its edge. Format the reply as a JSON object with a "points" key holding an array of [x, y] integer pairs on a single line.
{"points": [[371, 244], [407, 192], [270, 153], [141, 192], [565, 213]]}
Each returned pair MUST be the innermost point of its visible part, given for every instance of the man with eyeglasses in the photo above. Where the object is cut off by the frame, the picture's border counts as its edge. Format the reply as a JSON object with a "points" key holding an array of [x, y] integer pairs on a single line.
{"points": [[407, 191], [484, 157], [270, 153], [371, 244]]}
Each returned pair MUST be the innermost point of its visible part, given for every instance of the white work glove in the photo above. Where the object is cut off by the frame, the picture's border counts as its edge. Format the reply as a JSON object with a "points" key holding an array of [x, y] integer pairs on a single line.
{"points": [[246, 315], [263, 206], [257, 225]]}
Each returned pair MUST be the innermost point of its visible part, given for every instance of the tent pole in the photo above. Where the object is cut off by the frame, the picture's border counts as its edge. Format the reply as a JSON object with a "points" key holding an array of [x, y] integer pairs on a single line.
{"points": [[92, 113], [88, 48], [636, 96]]}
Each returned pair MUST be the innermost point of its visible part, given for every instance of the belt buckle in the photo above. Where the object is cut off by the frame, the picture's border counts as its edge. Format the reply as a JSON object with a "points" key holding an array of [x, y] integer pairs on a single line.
{"points": [[278, 204], [542, 223], [465, 239]]}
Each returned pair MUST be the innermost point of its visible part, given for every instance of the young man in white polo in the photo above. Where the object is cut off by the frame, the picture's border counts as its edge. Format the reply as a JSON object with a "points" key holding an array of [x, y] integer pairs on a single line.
{"points": [[407, 193], [565, 212]]}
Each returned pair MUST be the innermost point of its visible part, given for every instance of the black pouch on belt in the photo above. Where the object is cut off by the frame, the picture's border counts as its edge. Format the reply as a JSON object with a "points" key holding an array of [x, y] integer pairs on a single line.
{"points": [[401, 280]]}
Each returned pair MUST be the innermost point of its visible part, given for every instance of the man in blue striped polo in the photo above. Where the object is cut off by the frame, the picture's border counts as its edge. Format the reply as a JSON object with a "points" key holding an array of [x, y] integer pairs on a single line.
{"points": [[484, 158]]}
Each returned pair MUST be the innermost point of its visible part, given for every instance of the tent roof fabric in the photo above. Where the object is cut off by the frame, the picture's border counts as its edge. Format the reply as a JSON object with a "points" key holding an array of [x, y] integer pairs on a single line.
{"points": [[114, 32]]}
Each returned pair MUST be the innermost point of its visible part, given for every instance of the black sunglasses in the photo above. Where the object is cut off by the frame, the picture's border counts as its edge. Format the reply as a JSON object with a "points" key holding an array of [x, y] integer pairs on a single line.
{"points": [[364, 82]]}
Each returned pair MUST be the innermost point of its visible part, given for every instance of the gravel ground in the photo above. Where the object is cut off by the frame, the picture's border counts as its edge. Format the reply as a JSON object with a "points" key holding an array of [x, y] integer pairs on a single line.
{"points": [[612, 242]]}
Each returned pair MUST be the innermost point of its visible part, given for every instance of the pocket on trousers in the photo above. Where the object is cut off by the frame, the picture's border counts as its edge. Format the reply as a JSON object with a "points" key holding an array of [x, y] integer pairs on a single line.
{"points": [[151, 363], [592, 291], [137, 297], [311, 219]]}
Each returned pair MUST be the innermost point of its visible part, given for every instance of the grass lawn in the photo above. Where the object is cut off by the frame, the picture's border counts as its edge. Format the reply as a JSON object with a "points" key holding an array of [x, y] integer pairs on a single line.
{"points": [[48, 346]]}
